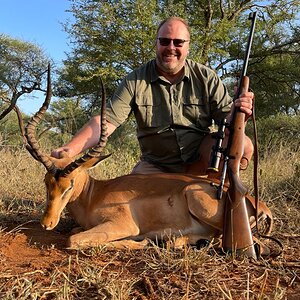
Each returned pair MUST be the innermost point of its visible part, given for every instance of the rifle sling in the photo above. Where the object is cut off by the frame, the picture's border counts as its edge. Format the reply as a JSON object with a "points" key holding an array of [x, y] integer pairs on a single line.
{"points": [[255, 182]]}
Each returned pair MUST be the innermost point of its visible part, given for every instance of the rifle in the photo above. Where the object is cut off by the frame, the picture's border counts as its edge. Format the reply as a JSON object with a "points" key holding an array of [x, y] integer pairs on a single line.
{"points": [[237, 235]]}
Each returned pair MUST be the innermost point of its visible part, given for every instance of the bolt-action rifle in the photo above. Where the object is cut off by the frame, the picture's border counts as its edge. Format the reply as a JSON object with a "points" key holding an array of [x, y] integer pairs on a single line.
{"points": [[237, 235]]}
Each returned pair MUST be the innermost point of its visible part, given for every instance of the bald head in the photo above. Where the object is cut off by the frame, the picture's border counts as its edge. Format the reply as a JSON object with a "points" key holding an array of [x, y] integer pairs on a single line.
{"points": [[171, 19]]}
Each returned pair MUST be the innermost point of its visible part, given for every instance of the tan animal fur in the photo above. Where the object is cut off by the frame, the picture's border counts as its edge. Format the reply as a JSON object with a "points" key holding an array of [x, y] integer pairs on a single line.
{"points": [[135, 207]]}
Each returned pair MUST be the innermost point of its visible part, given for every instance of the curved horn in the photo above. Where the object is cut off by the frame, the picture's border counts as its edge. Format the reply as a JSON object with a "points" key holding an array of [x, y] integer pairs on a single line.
{"points": [[22, 129], [31, 127], [97, 149]]}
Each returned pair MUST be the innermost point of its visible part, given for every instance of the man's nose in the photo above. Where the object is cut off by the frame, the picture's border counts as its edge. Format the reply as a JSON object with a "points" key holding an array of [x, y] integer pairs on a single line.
{"points": [[171, 45]]}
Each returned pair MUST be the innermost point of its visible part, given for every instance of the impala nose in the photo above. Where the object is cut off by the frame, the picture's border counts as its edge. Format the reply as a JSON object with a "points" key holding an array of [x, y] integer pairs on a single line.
{"points": [[47, 225]]}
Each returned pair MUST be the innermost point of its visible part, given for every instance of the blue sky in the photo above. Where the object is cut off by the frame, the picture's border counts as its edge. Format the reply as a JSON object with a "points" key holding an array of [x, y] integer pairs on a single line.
{"points": [[38, 22]]}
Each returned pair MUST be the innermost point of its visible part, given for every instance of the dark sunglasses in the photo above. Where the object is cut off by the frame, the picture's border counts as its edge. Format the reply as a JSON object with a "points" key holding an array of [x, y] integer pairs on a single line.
{"points": [[176, 42]]}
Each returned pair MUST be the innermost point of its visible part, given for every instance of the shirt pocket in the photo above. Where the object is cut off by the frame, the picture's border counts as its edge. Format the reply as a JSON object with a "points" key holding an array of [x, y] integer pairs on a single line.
{"points": [[196, 112], [148, 111]]}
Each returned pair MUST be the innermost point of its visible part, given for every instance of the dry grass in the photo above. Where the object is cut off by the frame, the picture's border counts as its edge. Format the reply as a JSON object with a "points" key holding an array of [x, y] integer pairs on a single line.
{"points": [[35, 265]]}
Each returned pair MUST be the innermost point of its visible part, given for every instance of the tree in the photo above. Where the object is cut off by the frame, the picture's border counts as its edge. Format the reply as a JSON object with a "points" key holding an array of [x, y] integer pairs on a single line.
{"points": [[22, 66], [111, 38], [68, 115], [275, 77]]}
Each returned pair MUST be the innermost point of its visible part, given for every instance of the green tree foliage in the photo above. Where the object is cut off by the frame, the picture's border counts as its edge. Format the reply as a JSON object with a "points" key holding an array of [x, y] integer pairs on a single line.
{"points": [[280, 74], [111, 38], [23, 70], [275, 76], [10, 131], [68, 115], [22, 66]]}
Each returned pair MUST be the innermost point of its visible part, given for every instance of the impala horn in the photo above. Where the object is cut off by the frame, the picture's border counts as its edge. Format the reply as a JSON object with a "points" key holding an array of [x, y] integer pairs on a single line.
{"points": [[30, 129], [97, 149]]}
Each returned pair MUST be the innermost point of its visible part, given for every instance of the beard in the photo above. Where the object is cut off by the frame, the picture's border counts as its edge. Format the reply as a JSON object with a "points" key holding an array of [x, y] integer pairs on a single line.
{"points": [[170, 61]]}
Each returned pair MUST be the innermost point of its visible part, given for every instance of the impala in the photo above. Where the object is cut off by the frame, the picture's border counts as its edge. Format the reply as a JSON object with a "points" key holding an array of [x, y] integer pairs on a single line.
{"points": [[129, 209]]}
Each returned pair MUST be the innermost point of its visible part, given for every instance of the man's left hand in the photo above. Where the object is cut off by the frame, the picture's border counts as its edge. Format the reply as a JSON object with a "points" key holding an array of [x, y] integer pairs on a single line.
{"points": [[245, 103]]}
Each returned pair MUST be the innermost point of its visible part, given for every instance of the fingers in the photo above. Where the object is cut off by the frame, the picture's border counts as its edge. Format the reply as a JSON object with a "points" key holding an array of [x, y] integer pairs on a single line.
{"points": [[56, 153], [245, 103], [59, 152]]}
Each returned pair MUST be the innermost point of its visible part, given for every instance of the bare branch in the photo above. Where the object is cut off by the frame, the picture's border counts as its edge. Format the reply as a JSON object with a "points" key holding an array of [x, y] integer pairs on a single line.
{"points": [[16, 96]]}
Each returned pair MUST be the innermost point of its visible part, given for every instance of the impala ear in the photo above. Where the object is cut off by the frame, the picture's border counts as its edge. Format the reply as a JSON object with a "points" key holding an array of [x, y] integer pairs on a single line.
{"points": [[94, 161]]}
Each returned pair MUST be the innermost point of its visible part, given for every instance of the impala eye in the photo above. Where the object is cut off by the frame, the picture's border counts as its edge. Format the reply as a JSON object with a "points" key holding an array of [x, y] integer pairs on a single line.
{"points": [[72, 183], [68, 189]]}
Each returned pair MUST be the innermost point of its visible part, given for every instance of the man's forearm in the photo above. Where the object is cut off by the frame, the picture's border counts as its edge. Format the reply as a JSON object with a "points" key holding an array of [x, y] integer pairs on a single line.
{"points": [[85, 138]]}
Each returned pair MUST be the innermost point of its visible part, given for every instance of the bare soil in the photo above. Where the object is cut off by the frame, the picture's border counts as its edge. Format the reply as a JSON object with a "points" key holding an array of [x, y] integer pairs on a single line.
{"points": [[35, 264]]}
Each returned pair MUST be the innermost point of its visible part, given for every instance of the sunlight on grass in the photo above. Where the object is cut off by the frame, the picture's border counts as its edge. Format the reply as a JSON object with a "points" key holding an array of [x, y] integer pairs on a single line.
{"points": [[157, 272]]}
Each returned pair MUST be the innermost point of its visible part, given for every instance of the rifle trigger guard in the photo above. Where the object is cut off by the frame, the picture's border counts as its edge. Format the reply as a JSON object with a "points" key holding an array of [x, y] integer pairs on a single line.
{"points": [[214, 185]]}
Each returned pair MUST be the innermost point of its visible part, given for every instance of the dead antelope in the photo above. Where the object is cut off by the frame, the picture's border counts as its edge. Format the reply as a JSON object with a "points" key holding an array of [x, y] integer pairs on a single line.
{"points": [[128, 209]]}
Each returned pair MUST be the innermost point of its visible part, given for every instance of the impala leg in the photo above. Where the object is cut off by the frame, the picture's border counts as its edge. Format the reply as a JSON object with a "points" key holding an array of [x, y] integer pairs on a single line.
{"points": [[102, 234], [264, 215], [183, 241], [207, 209], [128, 244], [77, 230], [204, 206]]}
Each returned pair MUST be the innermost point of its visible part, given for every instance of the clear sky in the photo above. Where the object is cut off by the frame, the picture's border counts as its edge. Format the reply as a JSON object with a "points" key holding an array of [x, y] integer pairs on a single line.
{"points": [[38, 22]]}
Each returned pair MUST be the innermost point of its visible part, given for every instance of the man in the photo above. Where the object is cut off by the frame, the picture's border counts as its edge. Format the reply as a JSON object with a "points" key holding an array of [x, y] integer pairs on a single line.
{"points": [[174, 101]]}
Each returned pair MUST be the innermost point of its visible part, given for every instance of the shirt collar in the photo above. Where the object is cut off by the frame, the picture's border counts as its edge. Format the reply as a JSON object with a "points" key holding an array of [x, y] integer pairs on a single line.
{"points": [[154, 75]]}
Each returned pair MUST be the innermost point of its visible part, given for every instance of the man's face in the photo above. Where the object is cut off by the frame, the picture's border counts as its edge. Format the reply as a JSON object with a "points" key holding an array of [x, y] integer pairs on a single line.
{"points": [[170, 57]]}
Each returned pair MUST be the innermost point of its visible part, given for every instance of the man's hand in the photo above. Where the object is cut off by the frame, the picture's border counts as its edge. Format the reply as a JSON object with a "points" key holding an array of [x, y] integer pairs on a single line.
{"points": [[245, 103], [58, 153]]}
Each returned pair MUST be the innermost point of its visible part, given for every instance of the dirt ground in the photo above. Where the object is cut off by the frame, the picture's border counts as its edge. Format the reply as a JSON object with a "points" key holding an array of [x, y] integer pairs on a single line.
{"points": [[30, 254]]}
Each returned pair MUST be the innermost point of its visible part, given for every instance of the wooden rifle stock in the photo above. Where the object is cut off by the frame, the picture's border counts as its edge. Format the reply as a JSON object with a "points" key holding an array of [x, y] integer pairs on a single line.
{"points": [[237, 235]]}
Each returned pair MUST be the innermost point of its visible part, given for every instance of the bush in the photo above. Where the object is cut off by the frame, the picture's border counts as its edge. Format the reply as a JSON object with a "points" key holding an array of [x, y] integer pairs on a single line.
{"points": [[277, 131]]}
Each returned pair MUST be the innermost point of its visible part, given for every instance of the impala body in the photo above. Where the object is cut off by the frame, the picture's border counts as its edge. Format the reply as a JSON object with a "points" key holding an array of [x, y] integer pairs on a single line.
{"points": [[135, 207]]}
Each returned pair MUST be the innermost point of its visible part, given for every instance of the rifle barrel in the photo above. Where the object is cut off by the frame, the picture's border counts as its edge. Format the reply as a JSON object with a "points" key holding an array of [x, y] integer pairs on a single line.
{"points": [[252, 17]]}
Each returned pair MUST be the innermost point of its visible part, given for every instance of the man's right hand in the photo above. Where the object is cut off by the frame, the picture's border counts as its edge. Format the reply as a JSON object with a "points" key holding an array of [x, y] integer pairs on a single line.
{"points": [[85, 138], [57, 153]]}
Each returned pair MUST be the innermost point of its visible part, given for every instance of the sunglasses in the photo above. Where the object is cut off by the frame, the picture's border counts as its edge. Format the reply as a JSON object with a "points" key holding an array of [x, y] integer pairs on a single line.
{"points": [[176, 42]]}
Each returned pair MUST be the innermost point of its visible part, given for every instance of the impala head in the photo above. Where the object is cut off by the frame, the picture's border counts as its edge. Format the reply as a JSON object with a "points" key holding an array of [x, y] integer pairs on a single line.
{"points": [[65, 177]]}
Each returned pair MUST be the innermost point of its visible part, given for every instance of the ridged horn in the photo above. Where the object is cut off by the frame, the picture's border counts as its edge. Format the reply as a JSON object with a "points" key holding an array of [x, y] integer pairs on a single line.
{"points": [[30, 130], [97, 149]]}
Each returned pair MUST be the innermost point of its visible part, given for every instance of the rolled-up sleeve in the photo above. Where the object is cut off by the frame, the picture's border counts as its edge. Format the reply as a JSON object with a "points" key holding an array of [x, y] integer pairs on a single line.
{"points": [[220, 101], [119, 106]]}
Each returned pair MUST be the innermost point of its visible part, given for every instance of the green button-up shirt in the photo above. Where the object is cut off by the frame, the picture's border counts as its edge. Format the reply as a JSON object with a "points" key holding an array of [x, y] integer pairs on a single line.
{"points": [[172, 119]]}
